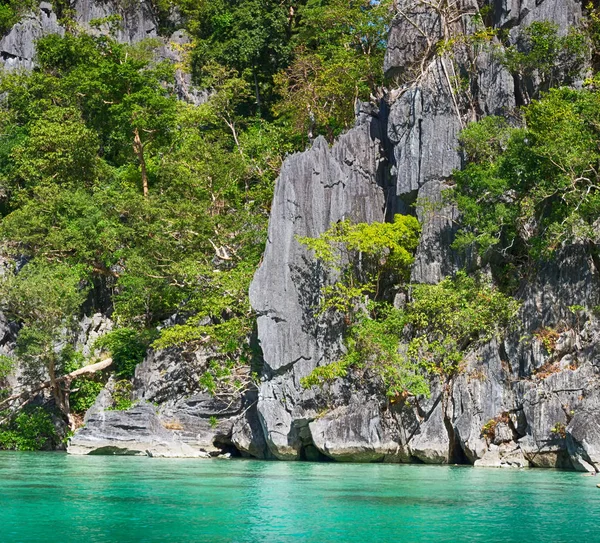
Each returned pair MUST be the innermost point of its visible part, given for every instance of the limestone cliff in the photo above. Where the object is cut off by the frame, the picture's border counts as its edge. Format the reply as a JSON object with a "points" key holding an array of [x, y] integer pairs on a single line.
{"points": [[401, 149], [17, 48], [408, 151]]}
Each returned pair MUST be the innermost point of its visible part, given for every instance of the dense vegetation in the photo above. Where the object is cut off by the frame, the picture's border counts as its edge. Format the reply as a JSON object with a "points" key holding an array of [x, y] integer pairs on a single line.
{"points": [[116, 196], [529, 190], [399, 346]]}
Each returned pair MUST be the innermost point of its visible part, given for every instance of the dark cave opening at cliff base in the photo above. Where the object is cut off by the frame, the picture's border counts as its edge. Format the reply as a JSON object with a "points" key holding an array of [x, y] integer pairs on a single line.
{"points": [[456, 454]]}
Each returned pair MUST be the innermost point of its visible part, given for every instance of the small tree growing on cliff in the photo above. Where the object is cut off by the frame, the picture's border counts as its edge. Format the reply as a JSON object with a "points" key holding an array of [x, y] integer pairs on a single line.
{"points": [[46, 300], [400, 347]]}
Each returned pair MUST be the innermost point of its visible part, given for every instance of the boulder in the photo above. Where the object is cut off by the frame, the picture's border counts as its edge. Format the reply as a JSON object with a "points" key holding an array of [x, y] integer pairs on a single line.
{"points": [[507, 455], [137, 431], [359, 432]]}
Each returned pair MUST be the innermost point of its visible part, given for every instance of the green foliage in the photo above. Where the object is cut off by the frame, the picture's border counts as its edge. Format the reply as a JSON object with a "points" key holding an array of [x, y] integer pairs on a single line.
{"points": [[71, 182], [224, 374], [108, 180], [326, 374], [339, 48], [528, 191], [127, 347], [307, 78], [207, 382], [12, 10], [362, 254], [541, 51], [30, 430], [84, 394], [7, 365], [213, 421], [46, 300], [122, 395], [252, 37], [437, 327], [454, 316]]}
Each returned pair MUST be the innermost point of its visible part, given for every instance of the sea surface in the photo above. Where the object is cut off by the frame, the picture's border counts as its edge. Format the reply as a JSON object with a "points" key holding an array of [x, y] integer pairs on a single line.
{"points": [[52, 497]]}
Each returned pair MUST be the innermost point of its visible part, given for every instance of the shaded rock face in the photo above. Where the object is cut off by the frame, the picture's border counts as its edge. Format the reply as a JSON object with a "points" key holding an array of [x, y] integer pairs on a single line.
{"points": [[515, 404], [315, 189], [171, 416], [17, 48]]}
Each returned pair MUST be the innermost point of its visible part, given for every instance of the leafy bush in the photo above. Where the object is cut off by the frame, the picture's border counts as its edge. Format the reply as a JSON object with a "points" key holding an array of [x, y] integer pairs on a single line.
{"points": [[127, 347], [437, 326], [7, 363], [528, 191], [454, 316], [362, 254], [85, 392], [122, 395], [31, 430]]}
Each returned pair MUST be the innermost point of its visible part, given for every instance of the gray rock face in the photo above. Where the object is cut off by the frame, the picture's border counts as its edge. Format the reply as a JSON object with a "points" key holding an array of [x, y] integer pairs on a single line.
{"points": [[535, 417], [583, 434], [503, 456], [481, 394], [138, 20], [359, 432], [182, 420], [91, 328], [185, 89], [315, 189], [510, 13], [137, 431], [17, 48], [415, 31], [423, 128], [166, 376], [247, 435]]}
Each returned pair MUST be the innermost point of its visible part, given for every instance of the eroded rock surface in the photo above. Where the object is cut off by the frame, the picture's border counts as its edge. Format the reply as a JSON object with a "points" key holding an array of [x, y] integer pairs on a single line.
{"points": [[17, 48], [137, 431], [315, 189], [515, 404]]}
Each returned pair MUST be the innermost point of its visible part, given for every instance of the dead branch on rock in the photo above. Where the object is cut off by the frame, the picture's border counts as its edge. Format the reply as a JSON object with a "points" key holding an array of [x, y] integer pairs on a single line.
{"points": [[64, 379]]}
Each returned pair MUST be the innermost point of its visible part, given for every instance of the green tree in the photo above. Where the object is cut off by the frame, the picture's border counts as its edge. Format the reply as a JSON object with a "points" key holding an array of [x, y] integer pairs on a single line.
{"points": [[528, 191], [46, 300], [339, 48], [249, 36]]}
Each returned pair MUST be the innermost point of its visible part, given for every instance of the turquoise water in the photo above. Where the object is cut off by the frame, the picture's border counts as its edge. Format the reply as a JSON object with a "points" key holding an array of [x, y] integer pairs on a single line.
{"points": [[59, 498]]}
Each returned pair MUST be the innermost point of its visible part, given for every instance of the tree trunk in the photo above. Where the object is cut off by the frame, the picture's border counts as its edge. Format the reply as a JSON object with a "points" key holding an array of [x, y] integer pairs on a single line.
{"points": [[138, 148], [60, 387], [257, 92]]}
